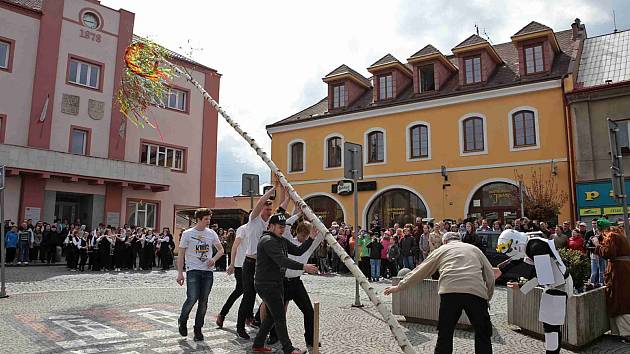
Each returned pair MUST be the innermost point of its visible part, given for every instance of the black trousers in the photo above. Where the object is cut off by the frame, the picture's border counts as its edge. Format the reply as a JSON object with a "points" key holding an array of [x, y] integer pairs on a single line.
{"points": [[272, 295], [294, 290], [236, 293], [51, 253], [451, 306], [249, 293], [10, 254], [82, 259]]}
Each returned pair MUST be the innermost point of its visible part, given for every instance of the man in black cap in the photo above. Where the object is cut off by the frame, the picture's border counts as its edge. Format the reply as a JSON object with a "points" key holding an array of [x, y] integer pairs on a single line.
{"points": [[271, 264]]}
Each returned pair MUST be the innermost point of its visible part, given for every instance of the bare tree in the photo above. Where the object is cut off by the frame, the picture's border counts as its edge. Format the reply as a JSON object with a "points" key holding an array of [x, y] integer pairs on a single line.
{"points": [[542, 197]]}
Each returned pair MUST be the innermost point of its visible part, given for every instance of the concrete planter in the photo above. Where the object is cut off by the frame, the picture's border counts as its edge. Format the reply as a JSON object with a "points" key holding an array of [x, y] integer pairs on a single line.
{"points": [[586, 318], [421, 303]]}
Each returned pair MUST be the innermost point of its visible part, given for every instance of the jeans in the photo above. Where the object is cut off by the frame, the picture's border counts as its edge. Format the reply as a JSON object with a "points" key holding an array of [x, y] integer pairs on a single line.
{"points": [[598, 267], [198, 286], [236, 293], [24, 250], [451, 306], [375, 268], [294, 290], [272, 295], [249, 293], [408, 262]]}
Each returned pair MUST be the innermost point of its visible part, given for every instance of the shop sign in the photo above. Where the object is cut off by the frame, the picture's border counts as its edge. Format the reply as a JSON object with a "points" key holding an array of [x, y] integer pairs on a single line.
{"points": [[596, 194], [590, 211], [344, 187], [613, 210]]}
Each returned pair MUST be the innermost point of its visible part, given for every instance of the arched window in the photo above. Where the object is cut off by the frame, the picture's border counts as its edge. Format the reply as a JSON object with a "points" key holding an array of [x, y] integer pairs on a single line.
{"points": [[473, 134], [395, 206], [376, 147], [418, 141], [296, 157], [333, 152], [524, 128]]}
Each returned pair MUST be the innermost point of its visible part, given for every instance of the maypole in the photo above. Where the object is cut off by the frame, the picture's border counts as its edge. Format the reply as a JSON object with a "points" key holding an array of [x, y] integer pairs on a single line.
{"points": [[147, 61]]}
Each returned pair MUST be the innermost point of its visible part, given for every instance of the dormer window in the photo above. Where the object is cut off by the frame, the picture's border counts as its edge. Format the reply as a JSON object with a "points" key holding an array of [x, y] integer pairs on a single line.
{"points": [[339, 96], [385, 87], [473, 69], [534, 62], [427, 78]]}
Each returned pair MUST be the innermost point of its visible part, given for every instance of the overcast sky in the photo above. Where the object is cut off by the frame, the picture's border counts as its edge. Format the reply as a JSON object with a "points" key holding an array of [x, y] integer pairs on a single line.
{"points": [[273, 54]]}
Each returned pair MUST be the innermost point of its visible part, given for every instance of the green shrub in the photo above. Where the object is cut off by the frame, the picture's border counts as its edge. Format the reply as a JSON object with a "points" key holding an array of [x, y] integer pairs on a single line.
{"points": [[579, 266]]}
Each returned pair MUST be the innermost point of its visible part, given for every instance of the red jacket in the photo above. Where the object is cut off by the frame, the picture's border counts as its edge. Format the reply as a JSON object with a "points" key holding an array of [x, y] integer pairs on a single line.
{"points": [[576, 243]]}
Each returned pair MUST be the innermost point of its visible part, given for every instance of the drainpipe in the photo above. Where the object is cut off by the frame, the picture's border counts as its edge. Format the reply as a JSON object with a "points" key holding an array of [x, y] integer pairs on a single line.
{"points": [[570, 151]]}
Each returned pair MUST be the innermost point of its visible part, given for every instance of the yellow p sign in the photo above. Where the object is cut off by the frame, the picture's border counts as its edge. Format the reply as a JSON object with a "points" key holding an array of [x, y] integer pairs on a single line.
{"points": [[591, 195]]}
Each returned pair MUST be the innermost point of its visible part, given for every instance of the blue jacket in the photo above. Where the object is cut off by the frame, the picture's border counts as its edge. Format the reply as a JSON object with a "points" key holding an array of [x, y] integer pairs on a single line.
{"points": [[11, 240]]}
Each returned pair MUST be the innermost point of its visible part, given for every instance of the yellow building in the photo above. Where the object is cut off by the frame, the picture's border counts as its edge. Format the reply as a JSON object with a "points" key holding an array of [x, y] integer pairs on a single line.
{"points": [[443, 136]]}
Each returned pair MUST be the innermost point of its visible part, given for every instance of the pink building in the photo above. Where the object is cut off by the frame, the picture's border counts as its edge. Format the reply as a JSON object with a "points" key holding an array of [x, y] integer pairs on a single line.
{"points": [[69, 153]]}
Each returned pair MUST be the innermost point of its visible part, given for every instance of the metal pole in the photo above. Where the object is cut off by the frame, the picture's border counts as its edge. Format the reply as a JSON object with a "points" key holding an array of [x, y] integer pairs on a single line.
{"points": [[3, 252], [520, 190], [357, 297], [617, 172]]}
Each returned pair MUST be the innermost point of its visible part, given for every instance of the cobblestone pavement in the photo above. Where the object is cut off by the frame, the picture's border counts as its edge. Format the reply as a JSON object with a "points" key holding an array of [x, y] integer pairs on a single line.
{"points": [[51, 310]]}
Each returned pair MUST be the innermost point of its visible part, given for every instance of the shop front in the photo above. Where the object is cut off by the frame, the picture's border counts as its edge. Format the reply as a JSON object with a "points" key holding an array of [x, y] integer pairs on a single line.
{"points": [[326, 208], [395, 206], [495, 201], [595, 199]]}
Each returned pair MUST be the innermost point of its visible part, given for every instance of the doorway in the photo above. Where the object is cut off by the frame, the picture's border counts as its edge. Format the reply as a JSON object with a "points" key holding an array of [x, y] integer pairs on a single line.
{"points": [[74, 207]]}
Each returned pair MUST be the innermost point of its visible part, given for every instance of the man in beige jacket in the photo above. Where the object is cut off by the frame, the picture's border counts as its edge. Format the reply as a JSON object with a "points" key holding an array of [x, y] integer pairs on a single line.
{"points": [[466, 283]]}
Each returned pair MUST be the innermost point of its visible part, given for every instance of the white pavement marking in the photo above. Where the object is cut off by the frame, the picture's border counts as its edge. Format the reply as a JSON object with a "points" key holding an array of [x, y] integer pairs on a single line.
{"points": [[130, 346], [158, 333], [160, 316], [142, 309], [64, 317], [85, 327], [85, 351], [72, 343]]}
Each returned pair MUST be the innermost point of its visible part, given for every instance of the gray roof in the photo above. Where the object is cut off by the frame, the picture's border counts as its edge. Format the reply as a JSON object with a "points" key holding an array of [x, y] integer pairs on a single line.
{"points": [[427, 50], [472, 40], [345, 69], [35, 5], [605, 58], [505, 75], [532, 27], [387, 59]]}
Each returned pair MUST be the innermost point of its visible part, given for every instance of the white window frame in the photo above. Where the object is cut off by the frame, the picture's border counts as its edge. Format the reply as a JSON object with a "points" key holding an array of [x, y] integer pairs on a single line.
{"points": [[365, 146], [382, 97], [176, 91], [5, 65], [289, 156], [339, 96], [408, 141], [89, 73], [460, 128], [472, 60], [85, 141], [511, 129], [175, 166], [343, 140], [145, 210], [534, 62]]}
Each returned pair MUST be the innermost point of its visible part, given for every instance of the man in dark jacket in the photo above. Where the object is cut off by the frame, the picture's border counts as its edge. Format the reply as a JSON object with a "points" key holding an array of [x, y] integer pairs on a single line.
{"points": [[407, 249], [271, 263]]}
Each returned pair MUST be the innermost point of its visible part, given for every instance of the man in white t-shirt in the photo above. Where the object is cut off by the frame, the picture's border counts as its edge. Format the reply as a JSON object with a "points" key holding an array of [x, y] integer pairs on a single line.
{"points": [[237, 256], [258, 221], [195, 249]]}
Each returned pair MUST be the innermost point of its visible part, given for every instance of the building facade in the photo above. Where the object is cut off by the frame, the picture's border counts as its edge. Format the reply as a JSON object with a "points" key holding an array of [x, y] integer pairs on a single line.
{"points": [[601, 91], [69, 152], [443, 136]]}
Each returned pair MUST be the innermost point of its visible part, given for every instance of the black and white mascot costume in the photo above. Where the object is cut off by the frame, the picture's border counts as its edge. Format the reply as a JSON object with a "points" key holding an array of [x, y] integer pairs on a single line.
{"points": [[550, 273]]}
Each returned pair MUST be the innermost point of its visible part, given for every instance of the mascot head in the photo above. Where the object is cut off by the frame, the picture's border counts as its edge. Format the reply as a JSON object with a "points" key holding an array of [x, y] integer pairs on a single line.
{"points": [[512, 243]]}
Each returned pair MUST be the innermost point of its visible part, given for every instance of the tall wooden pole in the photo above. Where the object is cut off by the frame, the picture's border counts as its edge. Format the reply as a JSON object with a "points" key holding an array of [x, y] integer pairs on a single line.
{"points": [[393, 324]]}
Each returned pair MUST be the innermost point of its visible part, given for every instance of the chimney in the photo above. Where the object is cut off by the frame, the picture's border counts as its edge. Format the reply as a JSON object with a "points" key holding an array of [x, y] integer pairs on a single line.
{"points": [[579, 30]]}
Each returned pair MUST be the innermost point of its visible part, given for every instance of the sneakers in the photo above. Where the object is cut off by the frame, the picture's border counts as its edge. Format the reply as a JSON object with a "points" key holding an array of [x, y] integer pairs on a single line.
{"points": [[183, 331], [242, 333], [198, 335], [255, 324], [219, 322], [298, 351], [262, 349]]}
